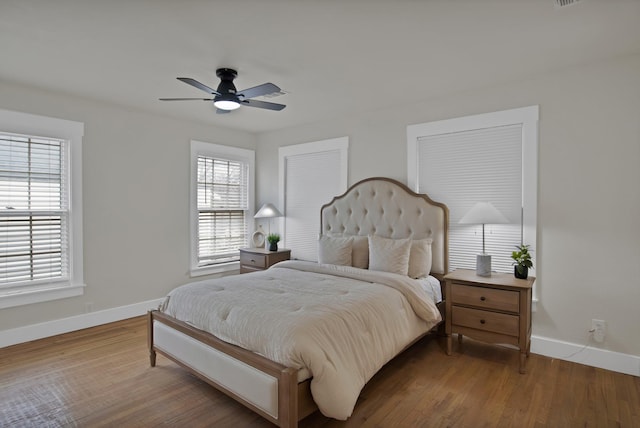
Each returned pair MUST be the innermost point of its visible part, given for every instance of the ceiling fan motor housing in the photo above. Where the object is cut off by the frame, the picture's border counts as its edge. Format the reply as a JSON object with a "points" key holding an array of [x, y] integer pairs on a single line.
{"points": [[226, 85]]}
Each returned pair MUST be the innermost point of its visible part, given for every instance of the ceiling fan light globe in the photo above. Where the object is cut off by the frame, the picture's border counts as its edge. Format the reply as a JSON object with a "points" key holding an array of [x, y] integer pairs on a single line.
{"points": [[226, 104]]}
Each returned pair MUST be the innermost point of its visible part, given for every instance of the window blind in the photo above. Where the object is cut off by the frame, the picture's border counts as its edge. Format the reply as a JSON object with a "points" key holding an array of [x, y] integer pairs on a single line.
{"points": [[34, 210], [311, 180], [462, 168], [222, 200]]}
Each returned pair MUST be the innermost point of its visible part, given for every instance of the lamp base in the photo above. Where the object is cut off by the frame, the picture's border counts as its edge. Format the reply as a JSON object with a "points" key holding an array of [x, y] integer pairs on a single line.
{"points": [[483, 265]]}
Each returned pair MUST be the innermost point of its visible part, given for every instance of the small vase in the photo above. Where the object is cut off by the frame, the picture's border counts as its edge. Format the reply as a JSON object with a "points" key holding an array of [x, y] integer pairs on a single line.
{"points": [[273, 246], [521, 272]]}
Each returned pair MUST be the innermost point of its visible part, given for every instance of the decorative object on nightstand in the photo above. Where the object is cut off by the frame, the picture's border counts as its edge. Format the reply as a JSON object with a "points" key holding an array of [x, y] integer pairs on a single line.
{"points": [[273, 239], [258, 238], [255, 259], [483, 213], [521, 261], [494, 310]]}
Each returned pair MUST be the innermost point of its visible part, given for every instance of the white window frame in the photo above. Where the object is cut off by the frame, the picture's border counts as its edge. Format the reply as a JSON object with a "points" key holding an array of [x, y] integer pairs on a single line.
{"points": [[199, 148], [528, 118], [72, 132], [340, 144]]}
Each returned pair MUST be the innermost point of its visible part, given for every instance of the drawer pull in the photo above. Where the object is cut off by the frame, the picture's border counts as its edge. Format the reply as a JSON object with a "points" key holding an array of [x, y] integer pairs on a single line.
{"points": [[482, 321], [253, 261], [483, 298]]}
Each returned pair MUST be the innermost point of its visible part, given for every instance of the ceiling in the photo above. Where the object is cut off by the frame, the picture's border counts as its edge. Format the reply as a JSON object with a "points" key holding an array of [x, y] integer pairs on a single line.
{"points": [[332, 58]]}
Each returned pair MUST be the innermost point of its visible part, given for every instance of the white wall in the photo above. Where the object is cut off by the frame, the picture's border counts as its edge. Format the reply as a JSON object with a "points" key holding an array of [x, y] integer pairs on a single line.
{"points": [[589, 186], [135, 197], [136, 221]]}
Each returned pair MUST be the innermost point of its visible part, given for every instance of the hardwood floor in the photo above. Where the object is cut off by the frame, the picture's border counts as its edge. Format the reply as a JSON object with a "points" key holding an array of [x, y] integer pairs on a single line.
{"points": [[101, 377]]}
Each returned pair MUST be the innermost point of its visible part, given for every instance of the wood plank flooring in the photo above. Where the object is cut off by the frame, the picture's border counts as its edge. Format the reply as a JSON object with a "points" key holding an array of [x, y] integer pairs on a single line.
{"points": [[100, 377]]}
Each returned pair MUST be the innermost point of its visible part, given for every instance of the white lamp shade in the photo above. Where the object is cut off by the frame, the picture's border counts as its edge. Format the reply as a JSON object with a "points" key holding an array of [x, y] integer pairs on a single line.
{"points": [[268, 211], [483, 213]]}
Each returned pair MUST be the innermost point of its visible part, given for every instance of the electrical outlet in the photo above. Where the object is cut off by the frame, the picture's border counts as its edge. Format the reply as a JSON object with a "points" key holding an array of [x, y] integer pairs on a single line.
{"points": [[598, 329], [88, 307]]}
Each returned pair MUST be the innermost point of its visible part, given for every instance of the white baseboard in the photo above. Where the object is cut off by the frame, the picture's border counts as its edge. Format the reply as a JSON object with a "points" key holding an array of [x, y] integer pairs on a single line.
{"points": [[78, 322], [583, 354]]}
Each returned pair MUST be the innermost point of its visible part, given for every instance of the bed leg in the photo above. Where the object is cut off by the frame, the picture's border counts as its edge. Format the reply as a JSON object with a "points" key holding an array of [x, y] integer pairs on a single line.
{"points": [[152, 352], [288, 399]]}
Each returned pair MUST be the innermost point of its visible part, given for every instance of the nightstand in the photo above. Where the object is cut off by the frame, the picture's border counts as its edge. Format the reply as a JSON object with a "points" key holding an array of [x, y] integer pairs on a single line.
{"points": [[255, 259], [494, 309]]}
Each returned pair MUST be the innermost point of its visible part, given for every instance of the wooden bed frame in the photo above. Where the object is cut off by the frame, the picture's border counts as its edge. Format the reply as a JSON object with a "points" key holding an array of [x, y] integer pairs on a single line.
{"points": [[375, 205]]}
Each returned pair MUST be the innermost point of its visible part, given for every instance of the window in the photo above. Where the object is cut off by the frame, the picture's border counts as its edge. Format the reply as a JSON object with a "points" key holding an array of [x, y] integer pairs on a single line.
{"points": [[484, 158], [33, 197], [222, 203], [321, 166], [40, 215]]}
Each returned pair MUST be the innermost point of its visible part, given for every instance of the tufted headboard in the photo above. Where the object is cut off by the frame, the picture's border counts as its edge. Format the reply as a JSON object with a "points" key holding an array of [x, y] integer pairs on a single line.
{"points": [[385, 207]]}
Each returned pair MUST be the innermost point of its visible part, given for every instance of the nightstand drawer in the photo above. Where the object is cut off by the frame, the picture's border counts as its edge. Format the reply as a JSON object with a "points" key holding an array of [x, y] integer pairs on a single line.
{"points": [[252, 259], [484, 320], [248, 269], [501, 300]]}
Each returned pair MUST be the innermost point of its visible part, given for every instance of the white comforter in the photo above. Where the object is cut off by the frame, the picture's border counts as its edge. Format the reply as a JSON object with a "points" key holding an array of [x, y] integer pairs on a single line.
{"points": [[341, 323]]}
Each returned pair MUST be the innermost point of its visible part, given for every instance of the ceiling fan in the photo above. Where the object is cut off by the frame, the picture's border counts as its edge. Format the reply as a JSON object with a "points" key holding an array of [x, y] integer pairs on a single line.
{"points": [[226, 98]]}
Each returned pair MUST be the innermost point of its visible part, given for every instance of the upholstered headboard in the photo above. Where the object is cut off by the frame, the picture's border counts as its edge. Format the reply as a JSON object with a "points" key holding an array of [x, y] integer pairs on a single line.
{"points": [[385, 207]]}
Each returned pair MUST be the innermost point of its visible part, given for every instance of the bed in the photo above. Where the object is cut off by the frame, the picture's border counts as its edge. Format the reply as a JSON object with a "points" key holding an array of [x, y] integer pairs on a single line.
{"points": [[286, 370]]}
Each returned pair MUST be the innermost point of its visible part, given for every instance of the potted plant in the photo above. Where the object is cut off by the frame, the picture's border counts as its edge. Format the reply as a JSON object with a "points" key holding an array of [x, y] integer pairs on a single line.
{"points": [[273, 239], [521, 261]]}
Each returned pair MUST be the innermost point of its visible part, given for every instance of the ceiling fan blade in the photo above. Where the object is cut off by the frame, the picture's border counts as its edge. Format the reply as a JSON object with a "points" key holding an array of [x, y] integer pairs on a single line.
{"points": [[220, 111], [256, 91], [262, 104], [198, 85], [185, 99]]}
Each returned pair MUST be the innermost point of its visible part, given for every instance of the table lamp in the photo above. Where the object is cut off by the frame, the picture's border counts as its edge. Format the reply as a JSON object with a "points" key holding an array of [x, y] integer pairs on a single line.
{"points": [[268, 211], [483, 213]]}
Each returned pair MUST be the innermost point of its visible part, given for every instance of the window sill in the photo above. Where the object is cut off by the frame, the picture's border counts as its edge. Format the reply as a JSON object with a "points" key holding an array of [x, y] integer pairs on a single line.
{"points": [[36, 294], [209, 270]]}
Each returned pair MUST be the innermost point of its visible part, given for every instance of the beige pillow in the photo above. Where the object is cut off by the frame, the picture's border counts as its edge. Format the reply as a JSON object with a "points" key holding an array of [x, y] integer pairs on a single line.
{"points": [[334, 251], [360, 252], [359, 249], [389, 255], [420, 258]]}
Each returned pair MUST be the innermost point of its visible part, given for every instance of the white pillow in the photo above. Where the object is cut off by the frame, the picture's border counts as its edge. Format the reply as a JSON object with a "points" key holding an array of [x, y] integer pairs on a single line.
{"points": [[420, 258], [334, 251], [389, 255]]}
